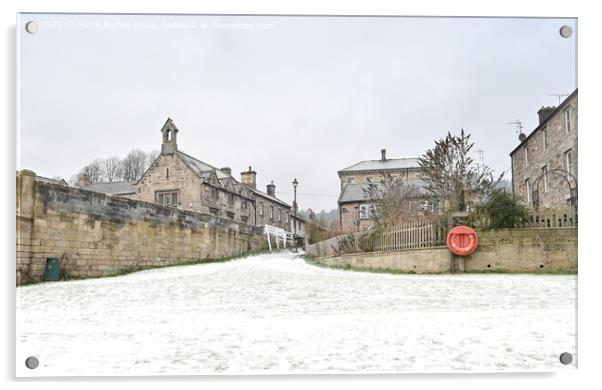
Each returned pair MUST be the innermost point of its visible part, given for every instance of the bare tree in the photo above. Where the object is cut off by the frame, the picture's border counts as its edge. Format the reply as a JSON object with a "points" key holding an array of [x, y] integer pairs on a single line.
{"points": [[152, 156], [450, 174], [393, 200], [112, 169], [134, 165], [94, 171]]}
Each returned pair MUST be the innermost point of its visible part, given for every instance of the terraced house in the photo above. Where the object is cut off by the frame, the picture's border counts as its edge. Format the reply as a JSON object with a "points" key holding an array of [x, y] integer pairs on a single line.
{"points": [[179, 180], [544, 164]]}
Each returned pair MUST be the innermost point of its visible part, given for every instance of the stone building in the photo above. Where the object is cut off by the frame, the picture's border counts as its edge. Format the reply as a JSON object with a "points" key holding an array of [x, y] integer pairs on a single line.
{"points": [[355, 211], [179, 180], [544, 164]]}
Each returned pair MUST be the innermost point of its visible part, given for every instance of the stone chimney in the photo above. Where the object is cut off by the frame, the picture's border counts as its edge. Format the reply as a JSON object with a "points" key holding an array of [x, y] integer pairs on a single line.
{"points": [[544, 113], [383, 154], [227, 170], [271, 189], [83, 180], [169, 145], [249, 178]]}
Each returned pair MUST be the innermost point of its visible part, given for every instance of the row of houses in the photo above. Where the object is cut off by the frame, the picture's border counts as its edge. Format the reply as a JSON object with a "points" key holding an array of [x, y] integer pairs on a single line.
{"points": [[177, 179], [544, 169]]}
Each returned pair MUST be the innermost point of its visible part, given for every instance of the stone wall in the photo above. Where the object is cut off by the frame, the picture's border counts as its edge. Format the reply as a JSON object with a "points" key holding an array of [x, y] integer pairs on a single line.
{"points": [[98, 235], [506, 250]]}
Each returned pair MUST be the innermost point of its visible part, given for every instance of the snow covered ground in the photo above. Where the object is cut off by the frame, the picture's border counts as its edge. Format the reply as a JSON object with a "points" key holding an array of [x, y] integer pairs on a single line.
{"points": [[275, 313]]}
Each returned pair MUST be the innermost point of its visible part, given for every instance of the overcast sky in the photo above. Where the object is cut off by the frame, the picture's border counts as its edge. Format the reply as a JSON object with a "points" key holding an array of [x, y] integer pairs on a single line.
{"points": [[291, 96]]}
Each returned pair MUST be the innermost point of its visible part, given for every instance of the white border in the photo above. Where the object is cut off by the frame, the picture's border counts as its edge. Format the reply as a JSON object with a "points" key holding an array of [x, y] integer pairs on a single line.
{"points": [[589, 260]]}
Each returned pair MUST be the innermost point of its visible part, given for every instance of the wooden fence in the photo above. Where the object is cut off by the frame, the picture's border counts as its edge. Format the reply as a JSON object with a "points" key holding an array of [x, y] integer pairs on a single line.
{"points": [[429, 233], [409, 235], [538, 218]]}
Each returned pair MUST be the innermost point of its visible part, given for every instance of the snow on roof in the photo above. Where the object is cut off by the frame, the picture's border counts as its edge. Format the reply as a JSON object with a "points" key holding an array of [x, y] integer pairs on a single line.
{"points": [[356, 192], [114, 188], [378, 165], [200, 168]]}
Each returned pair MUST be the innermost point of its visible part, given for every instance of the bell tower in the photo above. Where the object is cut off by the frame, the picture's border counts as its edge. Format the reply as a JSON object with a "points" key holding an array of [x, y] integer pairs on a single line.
{"points": [[169, 131]]}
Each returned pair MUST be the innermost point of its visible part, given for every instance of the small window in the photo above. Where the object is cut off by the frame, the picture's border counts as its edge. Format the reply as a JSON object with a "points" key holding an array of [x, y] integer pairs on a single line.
{"points": [[280, 215], [544, 135], [568, 120], [271, 212], [230, 199], [214, 193], [526, 149], [167, 173], [167, 198], [230, 214], [528, 190], [261, 209], [569, 162], [366, 211], [544, 172]]}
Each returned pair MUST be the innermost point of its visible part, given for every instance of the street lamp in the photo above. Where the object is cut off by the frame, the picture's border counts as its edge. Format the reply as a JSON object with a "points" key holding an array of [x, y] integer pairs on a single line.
{"points": [[295, 184]]}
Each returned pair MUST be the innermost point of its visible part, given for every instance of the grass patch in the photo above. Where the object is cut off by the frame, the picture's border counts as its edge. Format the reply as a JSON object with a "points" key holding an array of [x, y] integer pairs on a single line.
{"points": [[348, 267], [65, 276]]}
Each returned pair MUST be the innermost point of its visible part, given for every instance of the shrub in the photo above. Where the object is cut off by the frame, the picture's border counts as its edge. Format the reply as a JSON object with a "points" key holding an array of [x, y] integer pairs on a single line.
{"points": [[504, 211]]}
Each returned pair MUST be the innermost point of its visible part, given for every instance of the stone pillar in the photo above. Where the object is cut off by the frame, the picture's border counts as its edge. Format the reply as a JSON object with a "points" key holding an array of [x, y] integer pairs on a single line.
{"points": [[25, 216]]}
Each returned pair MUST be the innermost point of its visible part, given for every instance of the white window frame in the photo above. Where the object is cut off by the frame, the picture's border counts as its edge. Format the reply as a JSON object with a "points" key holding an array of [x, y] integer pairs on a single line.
{"points": [[544, 137], [366, 211], [569, 164], [544, 171], [568, 120]]}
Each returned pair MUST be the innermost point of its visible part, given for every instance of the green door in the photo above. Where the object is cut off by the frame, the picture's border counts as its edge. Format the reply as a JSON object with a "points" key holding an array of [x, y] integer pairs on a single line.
{"points": [[52, 272]]}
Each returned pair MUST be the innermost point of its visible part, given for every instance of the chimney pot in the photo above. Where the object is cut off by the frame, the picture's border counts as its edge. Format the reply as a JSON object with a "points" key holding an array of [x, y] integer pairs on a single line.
{"points": [[383, 154], [271, 189], [249, 178], [544, 113], [83, 180]]}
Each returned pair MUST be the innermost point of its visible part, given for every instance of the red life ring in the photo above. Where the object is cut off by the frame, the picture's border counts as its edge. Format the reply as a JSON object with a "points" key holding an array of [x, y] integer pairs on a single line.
{"points": [[462, 240]]}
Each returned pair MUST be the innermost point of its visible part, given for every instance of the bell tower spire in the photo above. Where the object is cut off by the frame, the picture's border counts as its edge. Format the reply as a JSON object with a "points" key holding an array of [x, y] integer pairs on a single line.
{"points": [[169, 131]]}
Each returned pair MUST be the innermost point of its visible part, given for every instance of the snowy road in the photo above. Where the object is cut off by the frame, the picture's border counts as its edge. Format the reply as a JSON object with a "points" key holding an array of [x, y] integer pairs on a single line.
{"points": [[275, 313]]}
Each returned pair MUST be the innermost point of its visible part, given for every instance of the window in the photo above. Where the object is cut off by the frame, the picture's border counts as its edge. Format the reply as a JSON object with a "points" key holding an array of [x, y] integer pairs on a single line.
{"points": [[167, 198], [280, 215], [526, 149], [568, 119], [528, 190], [366, 211], [230, 214], [214, 193], [271, 212], [261, 209], [167, 173], [544, 135], [244, 218], [350, 180], [544, 172], [569, 161], [230, 199], [286, 218], [243, 205]]}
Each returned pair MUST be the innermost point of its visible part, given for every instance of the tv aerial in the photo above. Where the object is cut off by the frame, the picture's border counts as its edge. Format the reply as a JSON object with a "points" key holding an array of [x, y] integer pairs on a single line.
{"points": [[560, 96], [519, 129]]}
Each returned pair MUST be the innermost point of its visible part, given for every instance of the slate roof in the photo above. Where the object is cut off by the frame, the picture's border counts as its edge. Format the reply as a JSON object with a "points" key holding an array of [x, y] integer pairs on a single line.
{"points": [[114, 188], [51, 181], [200, 168], [274, 199], [354, 192], [379, 165], [204, 170]]}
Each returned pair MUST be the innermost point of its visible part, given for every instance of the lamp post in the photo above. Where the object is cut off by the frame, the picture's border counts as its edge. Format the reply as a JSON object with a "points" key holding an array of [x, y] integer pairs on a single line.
{"points": [[295, 183]]}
